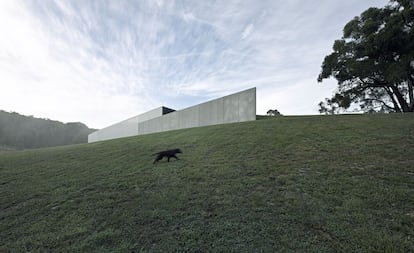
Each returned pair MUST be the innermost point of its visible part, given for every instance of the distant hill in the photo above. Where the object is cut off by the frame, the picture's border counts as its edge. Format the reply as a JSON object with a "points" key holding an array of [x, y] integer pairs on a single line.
{"points": [[25, 132]]}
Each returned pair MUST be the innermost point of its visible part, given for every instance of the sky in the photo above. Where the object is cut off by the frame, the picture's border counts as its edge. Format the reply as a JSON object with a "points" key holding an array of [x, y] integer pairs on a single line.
{"points": [[99, 62]]}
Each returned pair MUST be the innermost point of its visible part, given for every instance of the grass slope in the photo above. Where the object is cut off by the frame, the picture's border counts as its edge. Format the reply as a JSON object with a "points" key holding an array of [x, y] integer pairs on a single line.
{"points": [[314, 184]]}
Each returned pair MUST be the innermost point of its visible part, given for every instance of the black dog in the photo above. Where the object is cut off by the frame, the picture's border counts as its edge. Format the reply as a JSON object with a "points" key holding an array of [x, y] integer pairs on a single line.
{"points": [[168, 153]]}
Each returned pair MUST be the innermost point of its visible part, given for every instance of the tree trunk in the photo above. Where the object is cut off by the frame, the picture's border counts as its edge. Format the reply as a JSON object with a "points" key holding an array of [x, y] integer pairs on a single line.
{"points": [[403, 104], [411, 94], [396, 105]]}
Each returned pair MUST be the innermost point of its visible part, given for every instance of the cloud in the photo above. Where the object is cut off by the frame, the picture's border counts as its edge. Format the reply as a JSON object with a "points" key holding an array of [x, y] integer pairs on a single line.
{"points": [[58, 70], [188, 17], [103, 61], [247, 31]]}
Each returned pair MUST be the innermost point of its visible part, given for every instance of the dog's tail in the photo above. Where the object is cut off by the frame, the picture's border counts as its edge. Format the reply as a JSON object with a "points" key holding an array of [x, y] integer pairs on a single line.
{"points": [[156, 153]]}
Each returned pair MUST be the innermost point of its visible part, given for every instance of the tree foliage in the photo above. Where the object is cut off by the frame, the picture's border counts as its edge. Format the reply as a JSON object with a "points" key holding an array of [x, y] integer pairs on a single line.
{"points": [[274, 112], [374, 61], [23, 132]]}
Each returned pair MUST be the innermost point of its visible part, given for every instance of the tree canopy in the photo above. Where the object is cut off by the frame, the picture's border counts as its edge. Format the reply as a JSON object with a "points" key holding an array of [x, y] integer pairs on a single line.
{"points": [[374, 61], [274, 112]]}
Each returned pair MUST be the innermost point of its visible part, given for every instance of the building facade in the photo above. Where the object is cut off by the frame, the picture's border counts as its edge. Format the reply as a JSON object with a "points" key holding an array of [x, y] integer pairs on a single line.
{"points": [[237, 107]]}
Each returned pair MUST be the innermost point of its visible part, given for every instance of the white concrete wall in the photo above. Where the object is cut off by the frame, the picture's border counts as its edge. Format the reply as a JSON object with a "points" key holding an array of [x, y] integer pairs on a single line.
{"points": [[237, 107], [124, 128]]}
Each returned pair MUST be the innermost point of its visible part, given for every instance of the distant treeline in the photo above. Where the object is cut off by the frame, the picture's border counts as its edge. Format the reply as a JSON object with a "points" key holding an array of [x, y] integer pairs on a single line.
{"points": [[25, 132]]}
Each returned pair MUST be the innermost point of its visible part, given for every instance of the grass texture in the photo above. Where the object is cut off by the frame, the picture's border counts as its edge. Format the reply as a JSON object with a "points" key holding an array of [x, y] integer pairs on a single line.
{"points": [[282, 184]]}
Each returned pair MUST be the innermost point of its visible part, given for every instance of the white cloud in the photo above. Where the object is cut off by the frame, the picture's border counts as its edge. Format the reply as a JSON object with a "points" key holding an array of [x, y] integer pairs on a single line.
{"points": [[99, 62], [247, 31], [49, 70], [188, 17]]}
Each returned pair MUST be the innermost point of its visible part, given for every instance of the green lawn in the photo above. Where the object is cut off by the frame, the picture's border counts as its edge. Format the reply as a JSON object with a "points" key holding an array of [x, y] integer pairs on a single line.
{"points": [[284, 184]]}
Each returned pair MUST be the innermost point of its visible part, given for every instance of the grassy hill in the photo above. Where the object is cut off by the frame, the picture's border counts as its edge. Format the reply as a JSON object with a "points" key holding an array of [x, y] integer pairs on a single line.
{"points": [[285, 184], [19, 132]]}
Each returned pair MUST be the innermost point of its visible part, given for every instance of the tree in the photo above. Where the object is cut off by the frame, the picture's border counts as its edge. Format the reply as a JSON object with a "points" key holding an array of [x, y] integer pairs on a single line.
{"points": [[374, 61], [274, 112]]}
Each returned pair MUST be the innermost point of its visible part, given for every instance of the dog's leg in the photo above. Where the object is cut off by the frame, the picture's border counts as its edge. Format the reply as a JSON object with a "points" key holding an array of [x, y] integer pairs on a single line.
{"points": [[157, 159]]}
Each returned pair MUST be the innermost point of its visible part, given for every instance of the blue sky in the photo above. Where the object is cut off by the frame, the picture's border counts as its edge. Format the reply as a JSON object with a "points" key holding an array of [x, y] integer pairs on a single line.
{"points": [[99, 62]]}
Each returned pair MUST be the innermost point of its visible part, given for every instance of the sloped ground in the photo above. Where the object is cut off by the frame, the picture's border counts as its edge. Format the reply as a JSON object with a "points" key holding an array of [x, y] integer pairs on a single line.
{"points": [[312, 184]]}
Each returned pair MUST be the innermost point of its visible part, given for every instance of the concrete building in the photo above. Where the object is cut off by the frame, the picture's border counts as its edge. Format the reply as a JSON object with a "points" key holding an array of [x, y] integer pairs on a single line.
{"points": [[128, 127], [237, 107]]}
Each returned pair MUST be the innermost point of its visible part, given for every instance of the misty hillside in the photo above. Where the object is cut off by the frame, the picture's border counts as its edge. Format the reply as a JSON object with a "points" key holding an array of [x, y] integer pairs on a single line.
{"points": [[25, 132]]}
